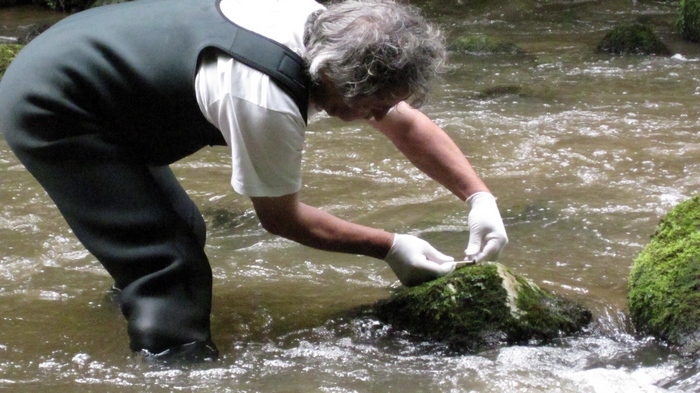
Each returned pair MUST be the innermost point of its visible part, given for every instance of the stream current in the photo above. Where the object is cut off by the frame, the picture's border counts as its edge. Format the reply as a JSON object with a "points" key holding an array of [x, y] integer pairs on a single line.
{"points": [[585, 152]]}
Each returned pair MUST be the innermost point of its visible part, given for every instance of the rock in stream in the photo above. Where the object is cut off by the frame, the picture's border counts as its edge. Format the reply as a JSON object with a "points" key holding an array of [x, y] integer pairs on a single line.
{"points": [[482, 306], [664, 284]]}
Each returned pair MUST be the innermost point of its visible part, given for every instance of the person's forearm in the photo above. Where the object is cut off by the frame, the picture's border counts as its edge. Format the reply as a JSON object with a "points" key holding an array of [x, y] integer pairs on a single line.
{"points": [[431, 150], [315, 228]]}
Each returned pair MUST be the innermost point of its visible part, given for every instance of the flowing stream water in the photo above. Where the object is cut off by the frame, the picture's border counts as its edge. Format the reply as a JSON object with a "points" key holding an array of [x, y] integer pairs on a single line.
{"points": [[585, 153]]}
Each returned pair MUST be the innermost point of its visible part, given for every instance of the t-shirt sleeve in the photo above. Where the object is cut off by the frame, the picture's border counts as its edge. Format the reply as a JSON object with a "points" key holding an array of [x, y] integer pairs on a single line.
{"points": [[266, 146]]}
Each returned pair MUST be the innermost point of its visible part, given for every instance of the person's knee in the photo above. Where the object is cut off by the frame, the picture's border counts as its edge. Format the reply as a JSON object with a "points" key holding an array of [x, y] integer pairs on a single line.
{"points": [[184, 206]]}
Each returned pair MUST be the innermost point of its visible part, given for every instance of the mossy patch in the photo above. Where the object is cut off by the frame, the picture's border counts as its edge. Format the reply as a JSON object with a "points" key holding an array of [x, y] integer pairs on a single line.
{"points": [[481, 306], [7, 54], [483, 45], [632, 38], [664, 284], [688, 23]]}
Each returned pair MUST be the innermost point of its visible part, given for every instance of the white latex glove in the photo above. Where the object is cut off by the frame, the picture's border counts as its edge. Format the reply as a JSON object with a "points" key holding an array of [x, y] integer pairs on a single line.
{"points": [[414, 261], [487, 235]]}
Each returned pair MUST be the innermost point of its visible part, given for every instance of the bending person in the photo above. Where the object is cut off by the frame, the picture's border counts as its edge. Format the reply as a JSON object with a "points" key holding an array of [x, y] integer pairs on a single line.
{"points": [[101, 103]]}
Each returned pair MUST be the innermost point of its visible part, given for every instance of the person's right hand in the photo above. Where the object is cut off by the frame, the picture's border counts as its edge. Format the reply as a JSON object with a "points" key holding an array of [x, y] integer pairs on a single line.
{"points": [[487, 235], [414, 261]]}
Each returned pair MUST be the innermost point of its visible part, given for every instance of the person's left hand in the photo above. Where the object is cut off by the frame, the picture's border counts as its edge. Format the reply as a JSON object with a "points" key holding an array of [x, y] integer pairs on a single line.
{"points": [[487, 235]]}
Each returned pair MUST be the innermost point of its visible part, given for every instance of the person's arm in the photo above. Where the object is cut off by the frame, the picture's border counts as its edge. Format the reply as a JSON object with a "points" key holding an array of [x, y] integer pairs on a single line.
{"points": [[412, 260], [432, 151], [286, 216]]}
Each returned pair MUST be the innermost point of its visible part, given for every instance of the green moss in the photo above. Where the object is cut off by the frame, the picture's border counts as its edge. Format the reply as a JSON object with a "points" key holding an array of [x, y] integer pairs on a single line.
{"points": [[7, 54], [481, 45], [688, 23], [664, 284], [481, 306], [545, 316], [634, 38]]}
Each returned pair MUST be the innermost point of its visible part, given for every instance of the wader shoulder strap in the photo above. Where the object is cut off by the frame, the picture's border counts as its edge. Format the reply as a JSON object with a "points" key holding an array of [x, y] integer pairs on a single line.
{"points": [[276, 60]]}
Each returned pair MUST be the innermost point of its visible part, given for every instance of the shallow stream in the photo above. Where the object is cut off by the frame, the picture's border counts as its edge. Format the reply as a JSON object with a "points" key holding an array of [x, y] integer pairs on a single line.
{"points": [[586, 152]]}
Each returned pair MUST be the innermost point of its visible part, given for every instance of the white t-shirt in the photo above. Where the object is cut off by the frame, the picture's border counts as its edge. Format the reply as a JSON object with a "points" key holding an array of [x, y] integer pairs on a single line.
{"points": [[261, 124]]}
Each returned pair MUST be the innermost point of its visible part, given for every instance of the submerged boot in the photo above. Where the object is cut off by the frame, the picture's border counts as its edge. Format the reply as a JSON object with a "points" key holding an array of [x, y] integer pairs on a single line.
{"points": [[168, 315], [194, 352]]}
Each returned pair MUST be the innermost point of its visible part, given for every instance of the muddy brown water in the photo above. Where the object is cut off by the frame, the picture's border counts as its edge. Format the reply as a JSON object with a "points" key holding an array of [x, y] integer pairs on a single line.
{"points": [[585, 156]]}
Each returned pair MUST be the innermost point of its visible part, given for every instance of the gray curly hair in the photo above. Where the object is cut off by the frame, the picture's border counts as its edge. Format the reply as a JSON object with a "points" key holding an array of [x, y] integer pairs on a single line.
{"points": [[374, 47]]}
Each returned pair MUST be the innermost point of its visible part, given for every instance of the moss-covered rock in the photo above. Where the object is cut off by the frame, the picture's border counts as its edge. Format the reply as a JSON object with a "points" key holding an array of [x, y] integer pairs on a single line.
{"points": [[633, 38], [7, 54], [664, 284], [483, 45], [688, 23], [481, 306]]}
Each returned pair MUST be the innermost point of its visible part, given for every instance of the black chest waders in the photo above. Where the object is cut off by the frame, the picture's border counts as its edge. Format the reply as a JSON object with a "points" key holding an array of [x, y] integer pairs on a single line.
{"points": [[96, 108]]}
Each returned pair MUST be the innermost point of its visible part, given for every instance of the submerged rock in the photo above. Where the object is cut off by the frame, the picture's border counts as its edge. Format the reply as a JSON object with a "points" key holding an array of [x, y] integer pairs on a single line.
{"points": [[664, 284], [482, 306], [634, 38], [483, 45], [688, 23], [500, 91]]}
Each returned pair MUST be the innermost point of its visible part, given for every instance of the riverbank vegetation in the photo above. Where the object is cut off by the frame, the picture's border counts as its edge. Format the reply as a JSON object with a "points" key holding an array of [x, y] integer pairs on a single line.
{"points": [[689, 20]]}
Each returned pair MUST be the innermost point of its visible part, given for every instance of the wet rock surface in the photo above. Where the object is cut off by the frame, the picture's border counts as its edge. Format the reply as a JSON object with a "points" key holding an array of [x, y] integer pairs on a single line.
{"points": [[482, 306], [633, 38]]}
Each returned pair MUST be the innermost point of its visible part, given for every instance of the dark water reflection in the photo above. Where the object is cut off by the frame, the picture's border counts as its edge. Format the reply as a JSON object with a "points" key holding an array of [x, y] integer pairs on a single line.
{"points": [[585, 156]]}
